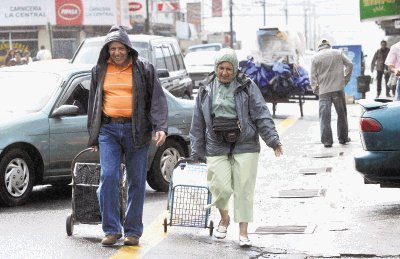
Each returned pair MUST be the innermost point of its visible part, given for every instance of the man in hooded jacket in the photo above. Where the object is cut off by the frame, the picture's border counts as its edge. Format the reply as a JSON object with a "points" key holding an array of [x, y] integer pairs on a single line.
{"points": [[126, 103]]}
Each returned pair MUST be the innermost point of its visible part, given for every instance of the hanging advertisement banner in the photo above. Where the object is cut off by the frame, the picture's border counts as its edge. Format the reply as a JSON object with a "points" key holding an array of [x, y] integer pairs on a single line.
{"points": [[27, 12], [216, 8], [375, 10], [194, 14]]}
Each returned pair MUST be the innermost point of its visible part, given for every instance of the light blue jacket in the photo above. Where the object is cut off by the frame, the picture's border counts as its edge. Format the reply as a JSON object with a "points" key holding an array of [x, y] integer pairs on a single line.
{"points": [[253, 114]]}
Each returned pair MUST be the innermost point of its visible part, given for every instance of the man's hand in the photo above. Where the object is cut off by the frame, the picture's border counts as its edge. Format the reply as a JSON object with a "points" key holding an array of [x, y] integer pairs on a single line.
{"points": [[95, 148], [278, 150], [159, 137]]}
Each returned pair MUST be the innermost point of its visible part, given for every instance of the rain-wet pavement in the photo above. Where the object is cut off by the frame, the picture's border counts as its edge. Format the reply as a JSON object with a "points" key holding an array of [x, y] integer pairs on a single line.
{"points": [[309, 203]]}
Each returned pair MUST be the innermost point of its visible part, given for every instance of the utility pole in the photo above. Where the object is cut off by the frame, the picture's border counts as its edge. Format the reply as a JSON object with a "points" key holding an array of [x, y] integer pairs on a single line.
{"points": [[306, 26], [286, 12], [231, 21], [264, 13], [147, 20]]}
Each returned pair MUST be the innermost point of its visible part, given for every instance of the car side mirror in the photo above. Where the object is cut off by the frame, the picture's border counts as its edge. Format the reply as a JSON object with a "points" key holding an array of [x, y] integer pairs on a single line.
{"points": [[66, 110], [162, 73]]}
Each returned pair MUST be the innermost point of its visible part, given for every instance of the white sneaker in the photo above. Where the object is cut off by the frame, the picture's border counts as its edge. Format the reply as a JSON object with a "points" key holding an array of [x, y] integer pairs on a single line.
{"points": [[244, 242], [221, 231]]}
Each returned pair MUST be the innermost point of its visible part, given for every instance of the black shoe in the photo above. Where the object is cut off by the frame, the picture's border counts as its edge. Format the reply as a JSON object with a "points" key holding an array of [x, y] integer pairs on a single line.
{"points": [[344, 142], [327, 145]]}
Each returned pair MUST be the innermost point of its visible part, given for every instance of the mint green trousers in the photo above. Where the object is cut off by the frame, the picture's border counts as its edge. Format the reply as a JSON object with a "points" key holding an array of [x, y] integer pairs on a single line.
{"points": [[233, 175]]}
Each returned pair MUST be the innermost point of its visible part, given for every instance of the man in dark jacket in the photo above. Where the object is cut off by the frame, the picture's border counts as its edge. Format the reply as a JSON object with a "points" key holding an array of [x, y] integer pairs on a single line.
{"points": [[126, 103], [378, 62]]}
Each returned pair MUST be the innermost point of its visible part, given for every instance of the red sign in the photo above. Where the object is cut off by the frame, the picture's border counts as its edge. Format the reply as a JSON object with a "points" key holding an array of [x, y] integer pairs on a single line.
{"points": [[69, 12], [167, 7], [216, 7], [135, 6]]}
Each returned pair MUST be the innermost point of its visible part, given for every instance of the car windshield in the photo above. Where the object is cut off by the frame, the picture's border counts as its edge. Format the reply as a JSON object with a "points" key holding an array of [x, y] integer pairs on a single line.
{"points": [[26, 91], [206, 58], [89, 52], [204, 48]]}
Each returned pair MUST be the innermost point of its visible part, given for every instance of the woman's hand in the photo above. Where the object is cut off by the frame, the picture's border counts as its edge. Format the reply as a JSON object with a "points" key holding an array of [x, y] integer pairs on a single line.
{"points": [[278, 150]]}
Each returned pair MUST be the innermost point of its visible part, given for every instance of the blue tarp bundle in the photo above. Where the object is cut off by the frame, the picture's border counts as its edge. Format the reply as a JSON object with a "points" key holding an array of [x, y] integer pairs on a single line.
{"points": [[278, 80]]}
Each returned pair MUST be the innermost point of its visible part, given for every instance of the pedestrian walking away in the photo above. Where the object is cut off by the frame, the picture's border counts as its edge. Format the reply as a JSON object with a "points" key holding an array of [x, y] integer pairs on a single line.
{"points": [[378, 62], [43, 54], [330, 72], [230, 114], [126, 103], [393, 63]]}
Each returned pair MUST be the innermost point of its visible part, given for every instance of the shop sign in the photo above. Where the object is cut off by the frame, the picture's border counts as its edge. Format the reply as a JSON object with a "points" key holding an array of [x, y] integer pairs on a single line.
{"points": [[69, 12], [27, 12], [379, 9], [59, 12], [137, 7], [99, 12]]}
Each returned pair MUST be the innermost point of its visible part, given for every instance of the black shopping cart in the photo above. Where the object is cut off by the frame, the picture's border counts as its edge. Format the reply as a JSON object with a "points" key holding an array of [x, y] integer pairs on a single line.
{"points": [[85, 181], [189, 196]]}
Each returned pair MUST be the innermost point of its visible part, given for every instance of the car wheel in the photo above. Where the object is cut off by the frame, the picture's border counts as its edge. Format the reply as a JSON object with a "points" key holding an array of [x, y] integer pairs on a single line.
{"points": [[16, 177], [164, 163]]}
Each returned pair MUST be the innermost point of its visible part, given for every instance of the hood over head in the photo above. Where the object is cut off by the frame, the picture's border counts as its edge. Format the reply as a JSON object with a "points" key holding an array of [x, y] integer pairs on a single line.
{"points": [[116, 33], [226, 55]]}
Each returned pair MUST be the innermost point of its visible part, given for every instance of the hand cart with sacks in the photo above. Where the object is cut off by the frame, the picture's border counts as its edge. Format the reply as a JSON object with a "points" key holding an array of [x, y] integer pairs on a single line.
{"points": [[189, 196], [85, 205]]}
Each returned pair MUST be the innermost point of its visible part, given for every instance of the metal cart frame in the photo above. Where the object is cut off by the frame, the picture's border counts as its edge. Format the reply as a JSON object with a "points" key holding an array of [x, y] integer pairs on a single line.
{"points": [[186, 200], [85, 205]]}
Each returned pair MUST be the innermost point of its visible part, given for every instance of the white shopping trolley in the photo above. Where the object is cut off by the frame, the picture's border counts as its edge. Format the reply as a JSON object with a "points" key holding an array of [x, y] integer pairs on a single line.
{"points": [[189, 196]]}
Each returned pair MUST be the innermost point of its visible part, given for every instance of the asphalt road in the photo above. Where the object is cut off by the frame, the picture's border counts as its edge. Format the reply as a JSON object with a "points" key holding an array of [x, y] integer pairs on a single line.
{"points": [[335, 216]]}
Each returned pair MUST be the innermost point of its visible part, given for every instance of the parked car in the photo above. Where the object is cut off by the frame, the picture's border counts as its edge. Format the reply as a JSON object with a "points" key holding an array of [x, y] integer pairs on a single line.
{"points": [[205, 47], [43, 118], [199, 64], [379, 162], [163, 52]]}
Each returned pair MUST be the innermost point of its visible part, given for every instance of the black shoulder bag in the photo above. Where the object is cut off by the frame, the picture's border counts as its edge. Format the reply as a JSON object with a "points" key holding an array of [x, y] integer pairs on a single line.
{"points": [[226, 129]]}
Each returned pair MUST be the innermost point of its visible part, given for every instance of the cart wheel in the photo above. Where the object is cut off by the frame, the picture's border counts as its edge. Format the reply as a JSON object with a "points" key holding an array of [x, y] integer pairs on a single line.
{"points": [[211, 227], [165, 225], [70, 225]]}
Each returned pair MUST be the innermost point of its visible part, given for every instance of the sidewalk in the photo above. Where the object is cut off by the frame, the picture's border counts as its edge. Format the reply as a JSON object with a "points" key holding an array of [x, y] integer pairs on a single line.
{"points": [[342, 219]]}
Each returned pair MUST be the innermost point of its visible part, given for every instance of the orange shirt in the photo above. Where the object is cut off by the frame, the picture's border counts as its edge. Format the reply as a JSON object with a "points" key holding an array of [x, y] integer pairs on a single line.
{"points": [[117, 98]]}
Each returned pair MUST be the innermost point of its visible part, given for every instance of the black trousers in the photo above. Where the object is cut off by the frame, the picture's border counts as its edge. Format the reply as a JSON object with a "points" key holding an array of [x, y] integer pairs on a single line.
{"points": [[379, 75]]}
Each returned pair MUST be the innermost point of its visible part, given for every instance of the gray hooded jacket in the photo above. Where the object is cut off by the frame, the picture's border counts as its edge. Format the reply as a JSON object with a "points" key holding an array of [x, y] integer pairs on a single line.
{"points": [[253, 114], [150, 110]]}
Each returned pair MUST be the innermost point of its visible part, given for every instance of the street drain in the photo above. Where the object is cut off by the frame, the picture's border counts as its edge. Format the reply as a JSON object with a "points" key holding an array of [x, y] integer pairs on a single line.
{"points": [[313, 171], [326, 154], [300, 193], [289, 229]]}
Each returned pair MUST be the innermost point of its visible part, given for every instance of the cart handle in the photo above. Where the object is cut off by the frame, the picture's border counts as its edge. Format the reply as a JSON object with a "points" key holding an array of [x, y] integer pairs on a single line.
{"points": [[78, 155], [189, 160]]}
